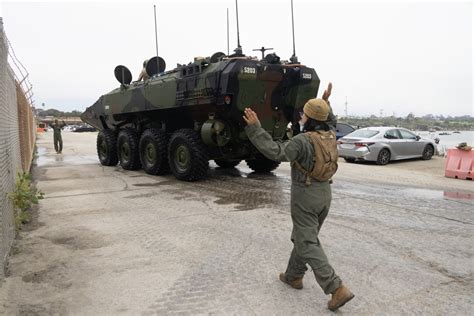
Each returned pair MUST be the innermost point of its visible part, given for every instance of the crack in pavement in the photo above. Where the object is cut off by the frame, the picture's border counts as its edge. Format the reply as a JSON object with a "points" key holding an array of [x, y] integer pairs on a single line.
{"points": [[92, 193]]}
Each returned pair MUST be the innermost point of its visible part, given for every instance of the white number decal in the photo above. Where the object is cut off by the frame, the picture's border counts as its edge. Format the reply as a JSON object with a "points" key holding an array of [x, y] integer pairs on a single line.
{"points": [[249, 70], [306, 76]]}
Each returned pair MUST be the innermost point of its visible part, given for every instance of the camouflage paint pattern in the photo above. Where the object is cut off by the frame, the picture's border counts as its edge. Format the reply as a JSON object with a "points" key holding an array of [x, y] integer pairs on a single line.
{"points": [[189, 95]]}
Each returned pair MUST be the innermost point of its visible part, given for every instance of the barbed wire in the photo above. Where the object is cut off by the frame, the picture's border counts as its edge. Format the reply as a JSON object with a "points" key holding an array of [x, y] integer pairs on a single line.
{"points": [[21, 74]]}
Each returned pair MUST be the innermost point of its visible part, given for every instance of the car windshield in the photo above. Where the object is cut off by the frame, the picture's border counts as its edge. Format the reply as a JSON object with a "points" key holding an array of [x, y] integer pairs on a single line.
{"points": [[363, 133]]}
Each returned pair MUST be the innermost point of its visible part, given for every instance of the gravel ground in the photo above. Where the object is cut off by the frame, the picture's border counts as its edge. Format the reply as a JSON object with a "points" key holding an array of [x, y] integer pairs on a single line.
{"points": [[109, 241]]}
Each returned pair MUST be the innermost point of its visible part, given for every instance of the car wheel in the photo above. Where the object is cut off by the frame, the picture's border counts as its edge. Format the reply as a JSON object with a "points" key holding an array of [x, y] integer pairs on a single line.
{"points": [[128, 151], [350, 160], [154, 152], [262, 164], [384, 157], [226, 163], [428, 152], [187, 155], [107, 147]]}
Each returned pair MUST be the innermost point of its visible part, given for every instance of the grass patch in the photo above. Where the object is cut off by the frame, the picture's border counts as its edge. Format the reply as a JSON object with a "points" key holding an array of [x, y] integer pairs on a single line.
{"points": [[23, 197]]}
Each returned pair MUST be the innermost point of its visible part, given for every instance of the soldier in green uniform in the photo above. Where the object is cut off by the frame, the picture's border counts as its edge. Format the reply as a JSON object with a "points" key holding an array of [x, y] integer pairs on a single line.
{"points": [[309, 203], [57, 139]]}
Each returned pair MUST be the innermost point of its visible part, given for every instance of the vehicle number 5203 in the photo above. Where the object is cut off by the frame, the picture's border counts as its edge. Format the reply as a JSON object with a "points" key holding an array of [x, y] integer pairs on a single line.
{"points": [[249, 70], [306, 76]]}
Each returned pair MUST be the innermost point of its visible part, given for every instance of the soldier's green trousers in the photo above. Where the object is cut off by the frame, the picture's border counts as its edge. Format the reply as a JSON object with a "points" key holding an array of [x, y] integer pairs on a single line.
{"points": [[309, 208], [58, 142]]}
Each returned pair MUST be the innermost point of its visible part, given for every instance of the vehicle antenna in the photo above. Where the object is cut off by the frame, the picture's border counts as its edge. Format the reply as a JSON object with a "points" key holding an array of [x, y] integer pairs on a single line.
{"points": [[156, 41], [227, 31], [238, 50], [293, 59]]}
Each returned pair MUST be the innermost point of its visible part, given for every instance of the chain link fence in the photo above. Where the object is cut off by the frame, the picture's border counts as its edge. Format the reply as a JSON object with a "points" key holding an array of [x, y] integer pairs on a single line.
{"points": [[27, 128], [17, 139]]}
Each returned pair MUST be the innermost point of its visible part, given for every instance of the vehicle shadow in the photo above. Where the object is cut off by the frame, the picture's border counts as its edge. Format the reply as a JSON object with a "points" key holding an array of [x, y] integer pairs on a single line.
{"points": [[392, 162]]}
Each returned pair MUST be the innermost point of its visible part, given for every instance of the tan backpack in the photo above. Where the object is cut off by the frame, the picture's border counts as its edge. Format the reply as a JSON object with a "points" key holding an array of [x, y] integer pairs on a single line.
{"points": [[325, 156]]}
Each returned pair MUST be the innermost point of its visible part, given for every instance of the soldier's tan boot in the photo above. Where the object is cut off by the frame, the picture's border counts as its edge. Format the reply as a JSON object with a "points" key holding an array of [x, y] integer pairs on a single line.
{"points": [[297, 283], [340, 296]]}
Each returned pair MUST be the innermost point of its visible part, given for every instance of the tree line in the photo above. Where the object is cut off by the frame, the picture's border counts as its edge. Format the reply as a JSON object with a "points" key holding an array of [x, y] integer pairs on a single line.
{"points": [[57, 113], [423, 123]]}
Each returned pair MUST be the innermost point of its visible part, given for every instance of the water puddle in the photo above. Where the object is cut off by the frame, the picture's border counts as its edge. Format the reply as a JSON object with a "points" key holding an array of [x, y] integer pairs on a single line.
{"points": [[438, 194], [41, 151], [459, 195], [380, 191], [52, 159]]}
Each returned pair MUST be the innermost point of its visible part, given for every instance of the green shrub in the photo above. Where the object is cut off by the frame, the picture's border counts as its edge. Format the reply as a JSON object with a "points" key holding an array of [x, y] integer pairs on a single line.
{"points": [[23, 197]]}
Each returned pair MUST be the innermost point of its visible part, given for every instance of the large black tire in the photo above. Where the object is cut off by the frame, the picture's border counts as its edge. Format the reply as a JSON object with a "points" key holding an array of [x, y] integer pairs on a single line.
{"points": [[226, 163], [262, 164], [154, 152], [384, 157], [428, 152], [187, 155], [127, 148], [107, 147]]}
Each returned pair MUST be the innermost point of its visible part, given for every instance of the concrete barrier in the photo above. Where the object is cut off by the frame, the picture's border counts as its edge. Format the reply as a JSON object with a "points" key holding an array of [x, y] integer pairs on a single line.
{"points": [[459, 164]]}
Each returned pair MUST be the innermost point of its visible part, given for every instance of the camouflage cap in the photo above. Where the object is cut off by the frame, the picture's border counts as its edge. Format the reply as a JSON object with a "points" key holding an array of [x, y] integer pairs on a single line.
{"points": [[317, 109]]}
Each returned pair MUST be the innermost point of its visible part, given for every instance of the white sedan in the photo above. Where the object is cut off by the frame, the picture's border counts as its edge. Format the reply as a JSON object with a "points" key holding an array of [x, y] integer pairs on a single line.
{"points": [[383, 144]]}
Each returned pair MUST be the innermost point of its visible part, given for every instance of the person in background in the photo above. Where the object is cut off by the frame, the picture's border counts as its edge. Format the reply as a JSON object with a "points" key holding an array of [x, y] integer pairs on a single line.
{"points": [[143, 75], [57, 138]]}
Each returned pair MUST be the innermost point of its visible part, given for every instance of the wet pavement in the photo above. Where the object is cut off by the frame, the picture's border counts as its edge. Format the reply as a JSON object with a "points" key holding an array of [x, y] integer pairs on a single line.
{"points": [[111, 241]]}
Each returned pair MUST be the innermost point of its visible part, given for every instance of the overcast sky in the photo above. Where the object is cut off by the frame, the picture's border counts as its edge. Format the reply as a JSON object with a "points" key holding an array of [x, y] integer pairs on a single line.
{"points": [[398, 57]]}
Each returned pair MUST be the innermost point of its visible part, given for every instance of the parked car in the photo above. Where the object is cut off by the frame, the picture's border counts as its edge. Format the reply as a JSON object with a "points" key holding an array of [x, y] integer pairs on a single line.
{"points": [[69, 128], [342, 129], [384, 144], [85, 128]]}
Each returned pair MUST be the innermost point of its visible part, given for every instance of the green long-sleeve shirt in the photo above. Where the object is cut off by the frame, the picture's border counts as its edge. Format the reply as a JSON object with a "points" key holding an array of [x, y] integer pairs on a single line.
{"points": [[297, 148]]}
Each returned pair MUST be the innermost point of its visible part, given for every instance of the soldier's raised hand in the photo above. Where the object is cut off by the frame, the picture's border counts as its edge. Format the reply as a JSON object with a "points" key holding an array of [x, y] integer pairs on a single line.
{"points": [[250, 116], [327, 92]]}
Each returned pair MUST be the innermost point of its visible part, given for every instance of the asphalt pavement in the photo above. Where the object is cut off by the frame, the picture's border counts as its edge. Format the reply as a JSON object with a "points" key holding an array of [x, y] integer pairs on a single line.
{"points": [[109, 241]]}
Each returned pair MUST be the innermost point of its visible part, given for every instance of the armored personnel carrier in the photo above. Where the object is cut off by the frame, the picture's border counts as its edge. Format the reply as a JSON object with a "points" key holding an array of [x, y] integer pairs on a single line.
{"points": [[180, 119]]}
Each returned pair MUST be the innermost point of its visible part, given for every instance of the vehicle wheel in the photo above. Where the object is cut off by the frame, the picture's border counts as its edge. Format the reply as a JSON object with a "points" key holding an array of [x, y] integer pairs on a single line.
{"points": [[262, 164], [107, 147], [428, 152], [187, 155], [127, 147], [350, 160], [226, 163], [154, 152], [384, 157]]}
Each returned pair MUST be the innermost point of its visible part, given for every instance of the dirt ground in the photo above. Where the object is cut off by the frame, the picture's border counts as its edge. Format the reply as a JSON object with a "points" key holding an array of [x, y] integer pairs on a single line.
{"points": [[107, 241]]}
